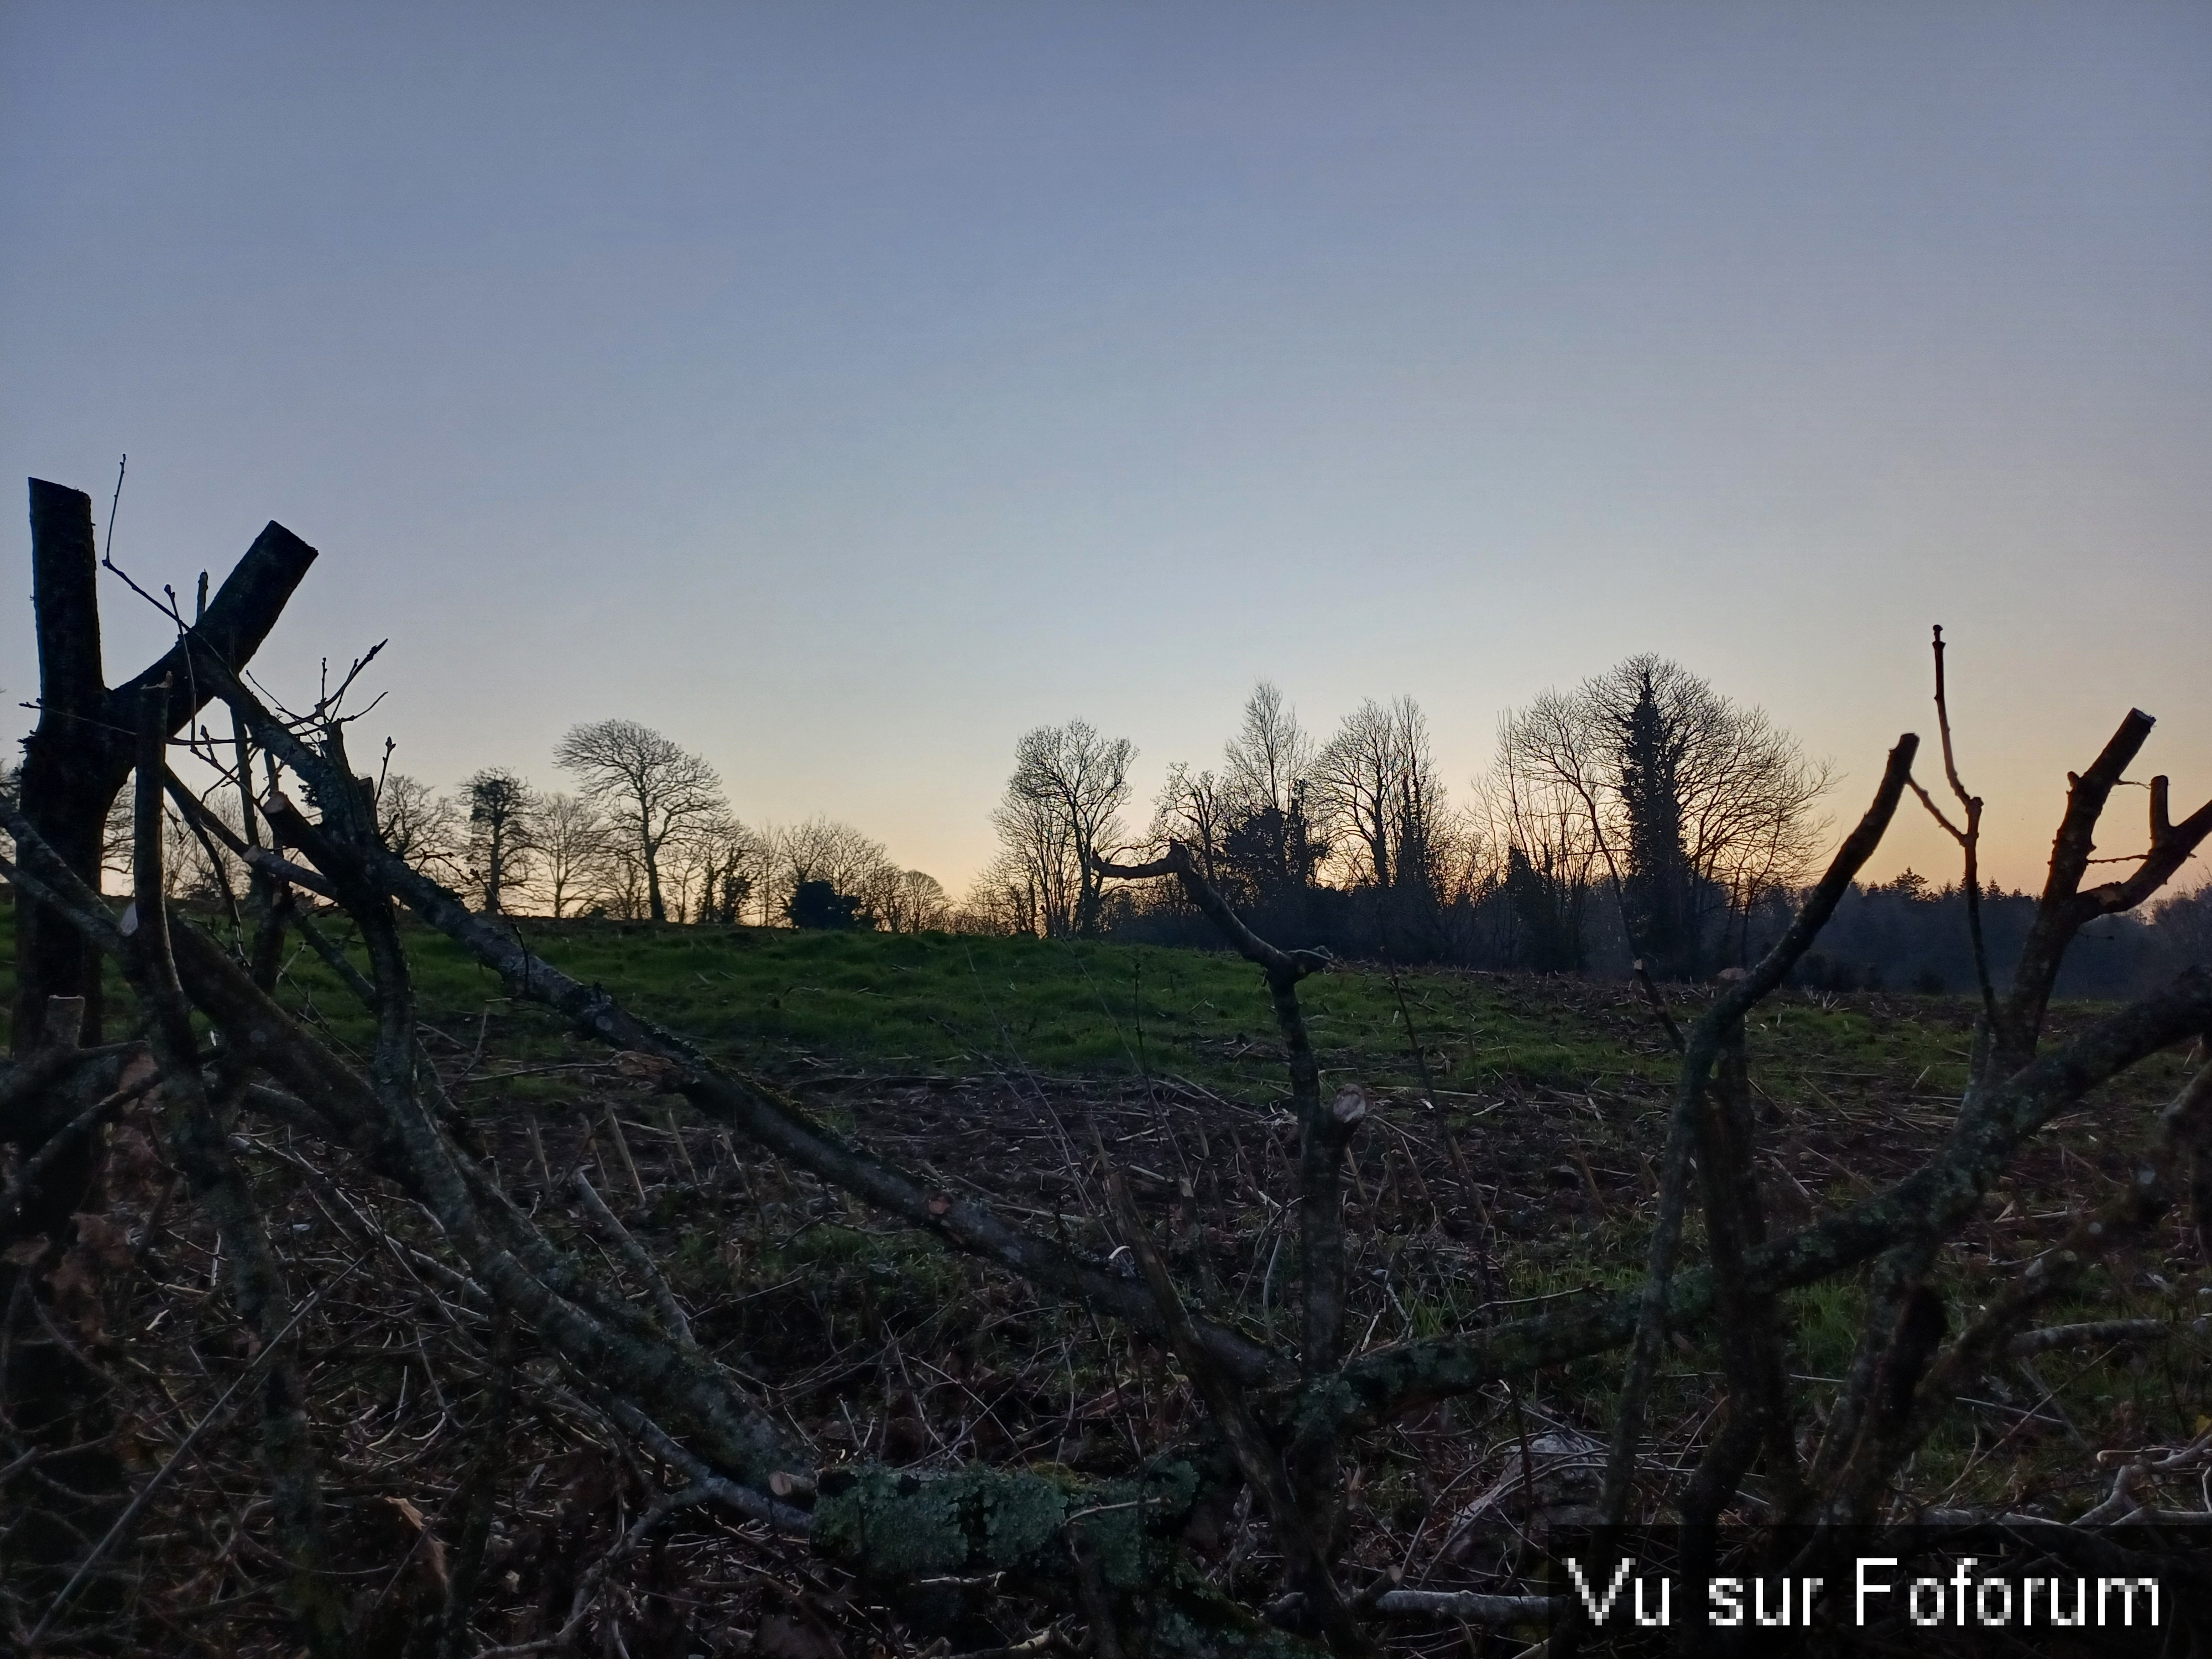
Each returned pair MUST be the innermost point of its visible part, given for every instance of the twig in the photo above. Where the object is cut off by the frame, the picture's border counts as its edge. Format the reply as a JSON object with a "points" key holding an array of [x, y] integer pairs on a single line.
{"points": [[641, 1263], [33, 1167], [595, 1581], [113, 503], [2028, 1344], [622, 1150], [145, 1493], [1969, 839]]}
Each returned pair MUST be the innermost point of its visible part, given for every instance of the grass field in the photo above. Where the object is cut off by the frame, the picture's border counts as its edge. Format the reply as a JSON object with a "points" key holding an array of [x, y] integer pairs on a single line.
{"points": [[953, 1006]]}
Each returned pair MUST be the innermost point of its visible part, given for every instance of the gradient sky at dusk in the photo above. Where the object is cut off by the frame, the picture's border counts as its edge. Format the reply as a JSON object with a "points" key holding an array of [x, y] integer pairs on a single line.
{"points": [[844, 389]]}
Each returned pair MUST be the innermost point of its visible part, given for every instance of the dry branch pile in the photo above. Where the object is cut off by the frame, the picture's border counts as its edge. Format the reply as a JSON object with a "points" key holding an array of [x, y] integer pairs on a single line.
{"points": [[298, 1351]]}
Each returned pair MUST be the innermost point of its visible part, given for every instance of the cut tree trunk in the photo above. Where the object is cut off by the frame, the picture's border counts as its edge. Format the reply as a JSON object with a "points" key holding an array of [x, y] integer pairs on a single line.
{"points": [[74, 764], [76, 760]]}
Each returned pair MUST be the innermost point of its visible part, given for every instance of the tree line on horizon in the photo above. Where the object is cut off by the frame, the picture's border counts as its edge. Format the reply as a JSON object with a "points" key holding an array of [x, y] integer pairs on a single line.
{"points": [[1643, 818], [1644, 785], [647, 835]]}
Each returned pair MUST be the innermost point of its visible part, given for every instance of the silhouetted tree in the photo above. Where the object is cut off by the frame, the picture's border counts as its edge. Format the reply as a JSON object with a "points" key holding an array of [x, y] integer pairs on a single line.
{"points": [[916, 903], [1547, 912], [2185, 920], [1536, 802], [1194, 810], [825, 850], [654, 789], [1376, 784], [720, 864], [820, 904], [1360, 771], [1272, 843], [1272, 840], [1060, 817], [419, 824], [1656, 891], [503, 812], [573, 851], [1655, 759]]}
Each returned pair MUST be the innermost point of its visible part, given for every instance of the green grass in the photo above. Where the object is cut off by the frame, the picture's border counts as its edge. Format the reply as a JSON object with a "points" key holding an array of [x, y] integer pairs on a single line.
{"points": [[946, 1004], [941, 1003]]}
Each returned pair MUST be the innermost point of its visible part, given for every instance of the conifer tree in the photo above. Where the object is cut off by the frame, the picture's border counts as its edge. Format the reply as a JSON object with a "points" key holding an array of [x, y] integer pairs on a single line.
{"points": [[1658, 903]]}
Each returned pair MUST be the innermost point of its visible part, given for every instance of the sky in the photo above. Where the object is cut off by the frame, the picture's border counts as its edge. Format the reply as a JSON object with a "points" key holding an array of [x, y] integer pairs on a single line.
{"points": [[844, 390]]}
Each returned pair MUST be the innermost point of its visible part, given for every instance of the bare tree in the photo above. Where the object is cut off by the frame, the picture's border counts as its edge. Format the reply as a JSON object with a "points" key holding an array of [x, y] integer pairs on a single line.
{"points": [[1695, 804], [1060, 817], [573, 852], [1030, 887], [1197, 810], [652, 788], [1359, 776], [1538, 814], [502, 816], [1378, 780], [718, 864], [206, 869], [854, 865], [1003, 901], [419, 824], [916, 904], [1271, 757], [624, 893], [1267, 783], [188, 871]]}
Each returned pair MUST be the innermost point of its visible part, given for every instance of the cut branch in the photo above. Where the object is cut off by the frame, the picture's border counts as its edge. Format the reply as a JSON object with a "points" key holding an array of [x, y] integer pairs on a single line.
{"points": [[1698, 1057], [1240, 1430]]}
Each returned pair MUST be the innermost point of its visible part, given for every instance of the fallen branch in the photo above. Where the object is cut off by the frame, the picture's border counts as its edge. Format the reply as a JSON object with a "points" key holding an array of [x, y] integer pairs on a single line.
{"points": [[1698, 1055], [203, 1153]]}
